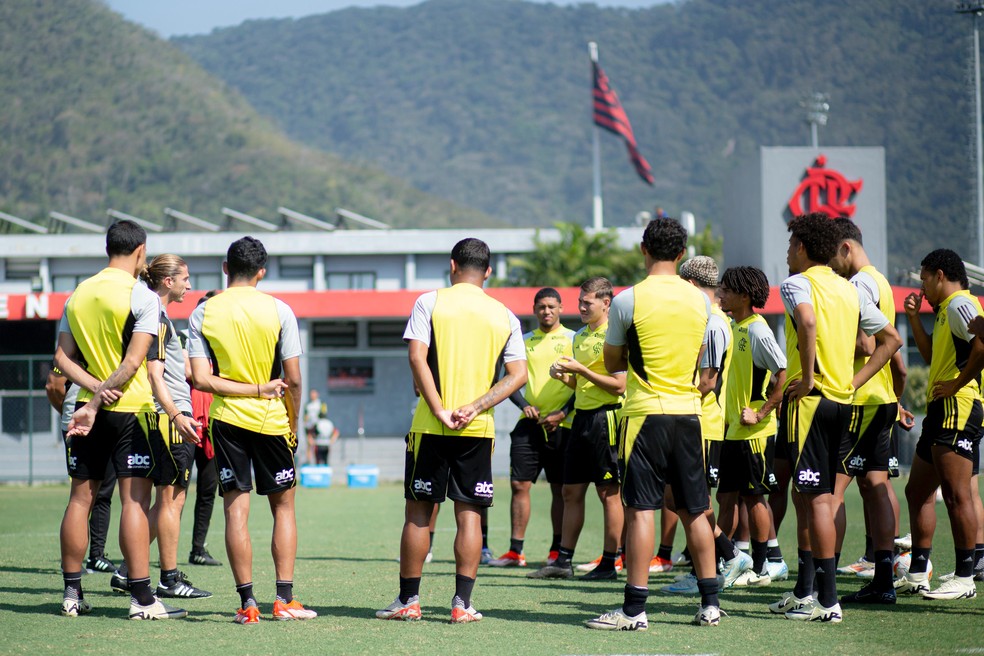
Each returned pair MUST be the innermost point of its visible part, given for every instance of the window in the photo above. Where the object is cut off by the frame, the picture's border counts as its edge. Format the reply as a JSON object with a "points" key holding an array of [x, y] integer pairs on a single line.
{"points": [[66, 283], [206, 281], [22, 269], [296, 267], [334, 334], [350, 375], [386, 333], [350, 280]]}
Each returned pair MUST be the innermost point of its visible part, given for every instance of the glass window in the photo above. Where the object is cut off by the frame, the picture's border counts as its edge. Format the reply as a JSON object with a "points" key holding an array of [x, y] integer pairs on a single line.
{"points": [[297, 267], [334, 334], [18, 269], [350, 280], [386, 333], [350, 375], [206, 281]]}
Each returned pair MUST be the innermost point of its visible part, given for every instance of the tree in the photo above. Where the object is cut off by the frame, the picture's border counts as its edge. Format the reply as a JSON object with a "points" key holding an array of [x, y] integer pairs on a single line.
{"points": [[705, 243]]}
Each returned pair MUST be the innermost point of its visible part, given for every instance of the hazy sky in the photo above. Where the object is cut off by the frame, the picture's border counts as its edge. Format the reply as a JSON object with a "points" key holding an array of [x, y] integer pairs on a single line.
{"points": [[172, 17]]}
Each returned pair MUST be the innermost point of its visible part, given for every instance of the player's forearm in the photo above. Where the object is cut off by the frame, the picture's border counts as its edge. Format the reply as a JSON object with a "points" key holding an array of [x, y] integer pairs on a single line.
{"points": [[163, 394], [75, 372], [518, 399], [899, 373], [292, 399], [506, 385], [974, 366], [613, 384], [923, 341], [775, 398]]}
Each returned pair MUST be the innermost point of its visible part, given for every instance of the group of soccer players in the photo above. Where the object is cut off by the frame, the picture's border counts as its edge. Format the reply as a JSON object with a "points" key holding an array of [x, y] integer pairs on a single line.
{"points": [[134, 415], [670, 397]]}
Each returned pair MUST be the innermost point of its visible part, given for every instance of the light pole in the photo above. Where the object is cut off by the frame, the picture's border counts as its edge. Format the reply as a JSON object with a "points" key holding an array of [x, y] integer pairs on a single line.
{"points": [[975, 9], [816, 114]]}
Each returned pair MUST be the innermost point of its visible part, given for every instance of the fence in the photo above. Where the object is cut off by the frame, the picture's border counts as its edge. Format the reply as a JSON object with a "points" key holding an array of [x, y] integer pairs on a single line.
{"points": [[31, 447]]}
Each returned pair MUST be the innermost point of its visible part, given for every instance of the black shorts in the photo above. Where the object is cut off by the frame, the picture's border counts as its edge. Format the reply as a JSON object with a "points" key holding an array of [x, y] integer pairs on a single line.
{"points": [[448, 466], [591, 450], [238, 449], [661, 450], [954, 423], [782, 430], [747, 466], [177, 456], [127, 440], [533, 450], [893, 452], [712, 461], [867, 445], [816, 425]]}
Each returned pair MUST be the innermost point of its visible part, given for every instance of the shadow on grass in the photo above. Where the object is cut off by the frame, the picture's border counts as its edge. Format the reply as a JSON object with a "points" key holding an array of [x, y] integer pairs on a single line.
{"points": [[30, 570], [352, 559]]}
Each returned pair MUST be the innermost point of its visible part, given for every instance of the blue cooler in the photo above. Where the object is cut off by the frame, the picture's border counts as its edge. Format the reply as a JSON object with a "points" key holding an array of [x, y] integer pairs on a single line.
{"points": [[316, 476], [363, 475]]}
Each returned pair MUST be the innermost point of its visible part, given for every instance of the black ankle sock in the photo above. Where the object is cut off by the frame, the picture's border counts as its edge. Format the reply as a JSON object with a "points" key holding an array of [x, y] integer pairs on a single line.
{"points": [[869, 549], [555, 545], [140, 590], [965, 562], [564, 558], [979, 556], [463, 587], [920, 560], [724, 548], [516, 545], [805, 575], [837, 559], [665, 552], [883, 570], [826, 569], [431, 546], [760, 552], [285, 591], [635, 600], [123, 570], [607, 563], [73, 581], [485, 537], [245, 591], [708, 592], [409, 588], [774, 552], [686, 553], [169, 576]]}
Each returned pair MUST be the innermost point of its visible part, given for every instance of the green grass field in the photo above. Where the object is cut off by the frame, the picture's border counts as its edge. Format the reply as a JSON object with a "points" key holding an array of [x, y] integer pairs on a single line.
{"points": [[346, 569]]}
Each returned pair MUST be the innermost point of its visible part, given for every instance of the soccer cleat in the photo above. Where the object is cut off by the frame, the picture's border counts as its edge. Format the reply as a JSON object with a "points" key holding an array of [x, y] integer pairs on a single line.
{"points": [[248, 615], [509, 559], [947, 577], [777, 571], [119, 584], [99, 564], [660, 565], [202, 557], [292, 610], [788, 602], [616, 620], [619, 563], [681, 560], [749, 579], [398, 610], [912, 584], [903, 543], [956, 588], [587, 567], [599, 575], [814, 612], [685, 586], [487, 556], [181, 587], [462, 615], [428, 558], [552, 556], [155, 611], [72, 607], [552, 572], [862, 564], [707, 616], [869, 595], [735, 567]]}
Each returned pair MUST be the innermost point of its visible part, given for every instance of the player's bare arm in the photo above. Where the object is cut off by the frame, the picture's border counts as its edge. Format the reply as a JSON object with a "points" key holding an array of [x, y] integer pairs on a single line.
{"points": [[514, 378], [806, 335], [424, 381], [912, 304], [292, 398], [205, 381], [888, 343], [187, 427]]}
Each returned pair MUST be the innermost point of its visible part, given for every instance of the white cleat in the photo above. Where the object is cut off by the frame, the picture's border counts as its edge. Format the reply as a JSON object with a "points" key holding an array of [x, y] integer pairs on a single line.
{"points": [[708, 616], [788, 602], [814, 612], [750, 579], [616, 620], [777, 571], [912, 584], [155, 611], [959, 587], [75, 607]]}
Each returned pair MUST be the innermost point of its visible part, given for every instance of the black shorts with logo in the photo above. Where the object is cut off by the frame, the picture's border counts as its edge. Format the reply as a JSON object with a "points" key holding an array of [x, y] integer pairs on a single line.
{"points": [[747, 466], [591, 450], [128, 440], [237, 450], [816, 425], [782, 432], [440, 467], [712, 461], [661, 450], [954, 423], [533, 450], [177, 456], [893, 452], [867, 445]]}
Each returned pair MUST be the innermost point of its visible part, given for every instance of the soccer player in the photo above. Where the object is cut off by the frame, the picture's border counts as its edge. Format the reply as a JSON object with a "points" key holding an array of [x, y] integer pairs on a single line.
{"points": [[865, 450], [947, 450], [458, 338], [111, 324], [746, 459], [824, 313], [657, 331], [538, 438], [251, 339], [591, 454]]}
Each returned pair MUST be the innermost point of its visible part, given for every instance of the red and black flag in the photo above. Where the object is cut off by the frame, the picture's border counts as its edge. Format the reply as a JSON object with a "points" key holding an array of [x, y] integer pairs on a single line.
{"points": [[608, 114]]}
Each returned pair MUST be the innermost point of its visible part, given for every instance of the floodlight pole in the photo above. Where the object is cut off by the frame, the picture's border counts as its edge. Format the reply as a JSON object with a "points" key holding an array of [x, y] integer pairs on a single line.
{"points": [[975, 9], [598, 221]]}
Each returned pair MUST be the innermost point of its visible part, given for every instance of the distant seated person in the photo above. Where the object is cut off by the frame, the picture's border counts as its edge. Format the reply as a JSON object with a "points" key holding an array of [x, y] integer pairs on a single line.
{"points": [[326, 434]]}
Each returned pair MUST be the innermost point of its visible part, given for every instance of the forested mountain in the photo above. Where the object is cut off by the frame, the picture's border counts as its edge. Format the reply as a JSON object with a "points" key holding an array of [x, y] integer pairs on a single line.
{"points": [[487, 102], [97, 113]]}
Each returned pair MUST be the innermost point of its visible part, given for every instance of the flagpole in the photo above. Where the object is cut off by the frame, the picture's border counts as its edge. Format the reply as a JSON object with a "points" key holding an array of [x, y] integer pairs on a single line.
{"points": [[598, 213]]}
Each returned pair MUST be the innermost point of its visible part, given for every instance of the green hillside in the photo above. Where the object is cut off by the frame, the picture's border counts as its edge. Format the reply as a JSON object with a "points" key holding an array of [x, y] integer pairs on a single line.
{"points": [[100, 113], [487, 102]]}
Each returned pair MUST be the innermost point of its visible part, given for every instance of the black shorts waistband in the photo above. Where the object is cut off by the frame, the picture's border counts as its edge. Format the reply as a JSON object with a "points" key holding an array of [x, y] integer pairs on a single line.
{"points": [[604, 408]]}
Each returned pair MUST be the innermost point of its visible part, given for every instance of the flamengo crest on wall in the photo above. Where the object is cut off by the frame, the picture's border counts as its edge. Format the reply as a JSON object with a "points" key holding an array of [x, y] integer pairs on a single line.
{"points": [[825, 190]]}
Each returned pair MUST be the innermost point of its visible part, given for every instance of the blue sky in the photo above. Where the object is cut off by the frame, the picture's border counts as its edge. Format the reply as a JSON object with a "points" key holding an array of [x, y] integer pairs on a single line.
{"points": [[174, 17]]}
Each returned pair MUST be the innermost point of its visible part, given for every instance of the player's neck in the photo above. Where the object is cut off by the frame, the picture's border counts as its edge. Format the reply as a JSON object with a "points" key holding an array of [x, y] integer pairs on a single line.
{"points": [[547, 331], [123, 263], [595, 325], [858, 262], [741, 313], [661, 268]]}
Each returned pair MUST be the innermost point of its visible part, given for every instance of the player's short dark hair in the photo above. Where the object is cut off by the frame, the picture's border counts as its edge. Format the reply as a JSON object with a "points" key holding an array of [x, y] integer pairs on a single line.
{"points": [[546, 292], [747, 280], [599, 286], [847, 229], [818, 235], [472, 253], [245, 258], [947, 261], [664, 239], [124, 237]]}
